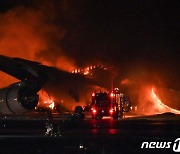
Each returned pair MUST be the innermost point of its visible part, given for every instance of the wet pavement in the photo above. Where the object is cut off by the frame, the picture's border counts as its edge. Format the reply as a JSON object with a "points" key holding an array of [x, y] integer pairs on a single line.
{"points": [[27, 135]]}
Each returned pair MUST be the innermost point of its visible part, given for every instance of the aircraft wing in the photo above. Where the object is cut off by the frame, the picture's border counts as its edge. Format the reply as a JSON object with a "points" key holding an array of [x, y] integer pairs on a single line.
{"points": [[22, 96], [35, 75]]}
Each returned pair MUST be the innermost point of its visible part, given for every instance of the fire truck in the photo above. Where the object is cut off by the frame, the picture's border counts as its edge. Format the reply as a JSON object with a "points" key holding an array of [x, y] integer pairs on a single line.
{"points": [[111, 104]]}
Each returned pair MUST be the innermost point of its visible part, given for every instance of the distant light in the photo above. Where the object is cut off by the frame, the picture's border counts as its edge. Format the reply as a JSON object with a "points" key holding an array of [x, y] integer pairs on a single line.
{"points": [[81, 147], [111, 111], [117, 89], [94, 111], [86, 72]]}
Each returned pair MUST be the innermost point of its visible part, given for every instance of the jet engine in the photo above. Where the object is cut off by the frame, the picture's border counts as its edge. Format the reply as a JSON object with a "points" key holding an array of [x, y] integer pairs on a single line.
{"points": [[17, 99]]}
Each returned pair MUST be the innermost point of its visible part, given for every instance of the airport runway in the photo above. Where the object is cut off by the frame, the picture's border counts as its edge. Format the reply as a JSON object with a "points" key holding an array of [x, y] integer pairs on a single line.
{"points": [[26, 134]]}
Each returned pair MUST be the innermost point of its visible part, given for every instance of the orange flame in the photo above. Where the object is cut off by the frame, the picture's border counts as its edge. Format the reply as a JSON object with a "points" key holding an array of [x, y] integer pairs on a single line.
{"points": [[51, 105], [45, 100], [160, 105]]}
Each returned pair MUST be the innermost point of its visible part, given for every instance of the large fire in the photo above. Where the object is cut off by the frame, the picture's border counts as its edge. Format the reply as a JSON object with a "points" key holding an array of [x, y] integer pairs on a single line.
{"points": [[160, 105]]}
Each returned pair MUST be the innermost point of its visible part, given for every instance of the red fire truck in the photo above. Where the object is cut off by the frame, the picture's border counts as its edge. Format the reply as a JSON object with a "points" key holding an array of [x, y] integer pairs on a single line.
{"points": [[111, 104]]}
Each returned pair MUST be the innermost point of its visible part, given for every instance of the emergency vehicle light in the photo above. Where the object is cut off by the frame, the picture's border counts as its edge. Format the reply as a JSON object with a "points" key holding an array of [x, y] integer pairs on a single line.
{"points": [[111, 111], [94, 111], [112, 94]]}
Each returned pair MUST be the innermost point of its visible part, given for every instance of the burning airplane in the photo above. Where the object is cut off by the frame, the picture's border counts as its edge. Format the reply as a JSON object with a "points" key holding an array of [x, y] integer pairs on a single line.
{"points": [[23, 95]]}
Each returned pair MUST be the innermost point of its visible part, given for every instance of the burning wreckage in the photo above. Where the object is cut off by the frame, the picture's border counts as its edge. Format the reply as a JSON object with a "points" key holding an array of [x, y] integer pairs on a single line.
{"points": [[23, 96]]}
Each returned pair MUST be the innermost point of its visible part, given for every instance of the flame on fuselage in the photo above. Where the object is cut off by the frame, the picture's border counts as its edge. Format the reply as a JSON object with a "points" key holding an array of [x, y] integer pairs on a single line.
{"points": [[87, 69]]}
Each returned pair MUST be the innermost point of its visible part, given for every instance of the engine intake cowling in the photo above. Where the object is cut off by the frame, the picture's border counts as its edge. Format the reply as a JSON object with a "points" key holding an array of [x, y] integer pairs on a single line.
{"points": [[17, 99]]}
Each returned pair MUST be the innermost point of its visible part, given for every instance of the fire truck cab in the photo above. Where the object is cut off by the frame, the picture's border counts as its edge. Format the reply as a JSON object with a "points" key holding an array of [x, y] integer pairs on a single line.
{"points": [[109, 104]]}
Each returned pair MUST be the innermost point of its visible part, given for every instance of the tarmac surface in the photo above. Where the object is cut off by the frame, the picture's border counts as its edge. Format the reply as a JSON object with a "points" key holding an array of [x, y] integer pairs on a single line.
{"points": [[26, 134]]}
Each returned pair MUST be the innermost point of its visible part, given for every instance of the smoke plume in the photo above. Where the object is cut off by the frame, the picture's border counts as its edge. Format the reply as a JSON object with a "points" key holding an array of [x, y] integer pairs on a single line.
{"points": [[29, 33]]}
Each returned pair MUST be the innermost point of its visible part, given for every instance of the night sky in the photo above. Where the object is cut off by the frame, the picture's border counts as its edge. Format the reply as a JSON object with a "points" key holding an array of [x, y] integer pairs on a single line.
{"points": [[131, 36]]}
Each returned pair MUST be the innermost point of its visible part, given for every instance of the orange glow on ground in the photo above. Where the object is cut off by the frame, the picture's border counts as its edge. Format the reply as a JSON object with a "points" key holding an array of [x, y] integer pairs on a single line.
{"points": [[160, 105]]}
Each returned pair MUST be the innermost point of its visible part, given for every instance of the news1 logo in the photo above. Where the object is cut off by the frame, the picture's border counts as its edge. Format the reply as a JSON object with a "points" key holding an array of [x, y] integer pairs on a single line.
{"points": [[162, 145], [176, 146]]}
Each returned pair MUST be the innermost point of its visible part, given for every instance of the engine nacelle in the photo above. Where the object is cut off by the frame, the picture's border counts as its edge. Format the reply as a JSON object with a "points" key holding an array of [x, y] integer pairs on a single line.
{"points": [[17, 99]]}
